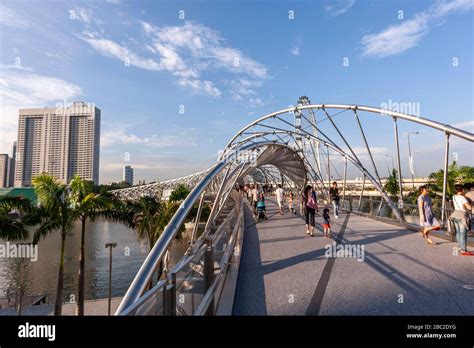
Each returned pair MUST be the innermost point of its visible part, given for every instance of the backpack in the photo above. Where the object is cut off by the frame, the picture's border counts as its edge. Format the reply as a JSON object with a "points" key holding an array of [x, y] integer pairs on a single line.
{"points": [[311, 202]]}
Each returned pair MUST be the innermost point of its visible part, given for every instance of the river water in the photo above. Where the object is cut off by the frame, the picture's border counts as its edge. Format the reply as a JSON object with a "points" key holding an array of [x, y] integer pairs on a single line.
{"points": [[40, 277]]}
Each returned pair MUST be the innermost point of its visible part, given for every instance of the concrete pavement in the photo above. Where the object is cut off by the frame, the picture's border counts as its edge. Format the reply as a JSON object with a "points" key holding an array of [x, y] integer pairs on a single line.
{"points": [[285, 272]]}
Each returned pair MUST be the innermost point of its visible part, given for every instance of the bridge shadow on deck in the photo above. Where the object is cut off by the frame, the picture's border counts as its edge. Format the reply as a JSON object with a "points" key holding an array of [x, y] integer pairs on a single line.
{"points": [[251, 288], [278, 257]]}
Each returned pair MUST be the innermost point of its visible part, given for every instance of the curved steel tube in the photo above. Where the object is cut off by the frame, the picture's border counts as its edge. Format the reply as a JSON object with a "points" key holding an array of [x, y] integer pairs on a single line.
{"points": [[424, 121], [140, 282]]}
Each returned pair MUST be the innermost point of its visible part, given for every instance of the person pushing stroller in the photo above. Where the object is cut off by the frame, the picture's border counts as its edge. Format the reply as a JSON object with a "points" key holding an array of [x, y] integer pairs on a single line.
{"points": [[261, 207]]}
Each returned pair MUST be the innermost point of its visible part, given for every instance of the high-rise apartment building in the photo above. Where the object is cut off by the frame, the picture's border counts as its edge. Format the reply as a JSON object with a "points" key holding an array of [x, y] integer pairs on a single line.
{"points": [[128, 174], [61, 141], [4, 161], [11, 167]]}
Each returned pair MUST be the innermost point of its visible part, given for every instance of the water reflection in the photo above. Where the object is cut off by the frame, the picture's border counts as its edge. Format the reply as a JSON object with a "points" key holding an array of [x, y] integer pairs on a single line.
{"points": [[40, 277]]}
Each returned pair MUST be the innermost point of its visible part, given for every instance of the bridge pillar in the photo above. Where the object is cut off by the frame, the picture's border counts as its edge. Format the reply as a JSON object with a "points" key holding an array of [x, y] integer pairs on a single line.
{"points": [[209, 272]]}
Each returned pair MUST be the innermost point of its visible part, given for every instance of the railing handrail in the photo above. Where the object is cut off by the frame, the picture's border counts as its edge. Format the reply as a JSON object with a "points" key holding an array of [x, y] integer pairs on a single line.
{"points": [[149, 266]]}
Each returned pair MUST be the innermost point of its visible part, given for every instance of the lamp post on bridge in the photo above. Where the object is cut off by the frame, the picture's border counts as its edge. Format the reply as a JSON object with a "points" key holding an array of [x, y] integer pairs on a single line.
{"points": [[410, 161], [393, 165], [110, 246]]}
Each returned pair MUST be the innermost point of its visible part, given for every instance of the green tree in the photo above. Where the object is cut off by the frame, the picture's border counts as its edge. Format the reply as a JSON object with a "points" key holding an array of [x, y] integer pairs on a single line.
{"points": [[16, 214], [58, 215], [179, 193], [87, 206], [391, 186], [149, 217], [456, 175]]}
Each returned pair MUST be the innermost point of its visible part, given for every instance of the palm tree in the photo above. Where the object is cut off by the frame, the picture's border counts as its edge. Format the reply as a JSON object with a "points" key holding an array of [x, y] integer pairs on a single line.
{"points": [[59, 215], [87, 205], [16, 213], [456, 175], [179, 193], [149, 217]]}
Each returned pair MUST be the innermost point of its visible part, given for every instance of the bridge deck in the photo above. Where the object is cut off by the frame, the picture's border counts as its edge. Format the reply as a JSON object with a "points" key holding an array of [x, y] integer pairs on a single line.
{"points": [[285, 272]]}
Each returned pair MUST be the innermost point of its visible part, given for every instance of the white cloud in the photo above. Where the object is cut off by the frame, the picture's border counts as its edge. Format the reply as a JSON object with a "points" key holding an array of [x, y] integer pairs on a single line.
{"points": [[112, 49], [398, 38], [10, 18], [337, 8], [176, 137], [296, 49], [206, 86], [20, 88], [465, 125], [82, 14], [17, 87], [191, 52]]}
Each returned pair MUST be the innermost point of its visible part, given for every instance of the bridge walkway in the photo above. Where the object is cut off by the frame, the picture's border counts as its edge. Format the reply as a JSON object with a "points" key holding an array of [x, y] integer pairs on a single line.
{"points": [[283, 271]]}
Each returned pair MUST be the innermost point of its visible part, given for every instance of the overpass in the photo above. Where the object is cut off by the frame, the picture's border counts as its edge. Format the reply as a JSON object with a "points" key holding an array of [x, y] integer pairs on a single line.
{"points": [[237, 266]]}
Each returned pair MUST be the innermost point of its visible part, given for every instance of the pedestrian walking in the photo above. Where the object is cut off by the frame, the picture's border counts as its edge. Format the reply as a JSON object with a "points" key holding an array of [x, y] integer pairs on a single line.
{"points": [[290, 203], [310, 206], [428, 221], [280, 197], [334, 194], [461, 219], [326, 223], [254, 196]]}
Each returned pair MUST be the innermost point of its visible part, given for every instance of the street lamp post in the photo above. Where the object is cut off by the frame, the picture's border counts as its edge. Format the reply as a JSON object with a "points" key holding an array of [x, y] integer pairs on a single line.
{"points": [[393, 164], [20, 288], [110, 246], [410, 160]]}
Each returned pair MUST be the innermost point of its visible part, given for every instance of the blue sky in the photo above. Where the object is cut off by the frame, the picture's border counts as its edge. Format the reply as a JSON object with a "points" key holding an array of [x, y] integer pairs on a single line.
{"points": [[228, 62]]}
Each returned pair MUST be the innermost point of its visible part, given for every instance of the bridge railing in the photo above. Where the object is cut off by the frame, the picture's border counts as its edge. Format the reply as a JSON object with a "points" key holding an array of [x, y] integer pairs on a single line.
{"points": [[376, 207], [194, 285]]}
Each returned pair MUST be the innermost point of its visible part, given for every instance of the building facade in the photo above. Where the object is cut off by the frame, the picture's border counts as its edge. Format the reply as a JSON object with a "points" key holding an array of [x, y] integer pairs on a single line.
{"points": [[62, 141], [4, 161], [128, 175], [11, 167]]}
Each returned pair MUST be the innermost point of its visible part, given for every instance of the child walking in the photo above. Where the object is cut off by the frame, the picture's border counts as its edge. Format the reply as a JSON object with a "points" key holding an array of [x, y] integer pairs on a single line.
{"points": [[326, 224], [290, 203]]}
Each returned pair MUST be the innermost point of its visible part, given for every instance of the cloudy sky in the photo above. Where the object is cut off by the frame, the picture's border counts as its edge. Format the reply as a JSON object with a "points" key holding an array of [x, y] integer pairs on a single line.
{"points": [[176, 79]]}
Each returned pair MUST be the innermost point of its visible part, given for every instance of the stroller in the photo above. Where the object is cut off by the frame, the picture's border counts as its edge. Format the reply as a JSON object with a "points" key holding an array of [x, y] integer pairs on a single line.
{"points": [[261, 210]]}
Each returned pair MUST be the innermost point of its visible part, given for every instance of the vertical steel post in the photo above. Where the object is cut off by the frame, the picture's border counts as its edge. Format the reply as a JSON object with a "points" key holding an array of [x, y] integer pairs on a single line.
{"points": [[329, 169], [209, 272], [445, 179], [361, 193], [400, 184], [20, 290], [410, 161], [345, 177], [198, 217], [110, 282], [170, 297], [110, 246]]}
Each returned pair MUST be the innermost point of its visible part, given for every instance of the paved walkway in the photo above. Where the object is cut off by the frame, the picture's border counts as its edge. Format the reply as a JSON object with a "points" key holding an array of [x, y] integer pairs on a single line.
{"points": [[285, 272], [91, 307]]}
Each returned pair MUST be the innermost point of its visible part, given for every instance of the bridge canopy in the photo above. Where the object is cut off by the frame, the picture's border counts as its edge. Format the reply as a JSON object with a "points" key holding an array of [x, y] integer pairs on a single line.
{"points": [[283, 158]]}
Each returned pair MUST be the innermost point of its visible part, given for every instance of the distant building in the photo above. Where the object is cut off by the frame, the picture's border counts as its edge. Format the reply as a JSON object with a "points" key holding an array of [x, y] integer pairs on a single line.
{"points": [[62, 141], [11, 167], [128, 175], [4, 161]]}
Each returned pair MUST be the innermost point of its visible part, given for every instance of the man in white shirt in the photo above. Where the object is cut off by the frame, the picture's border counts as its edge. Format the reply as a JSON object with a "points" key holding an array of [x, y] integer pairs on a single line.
{"points": [[280, 197], [254, 194]]}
